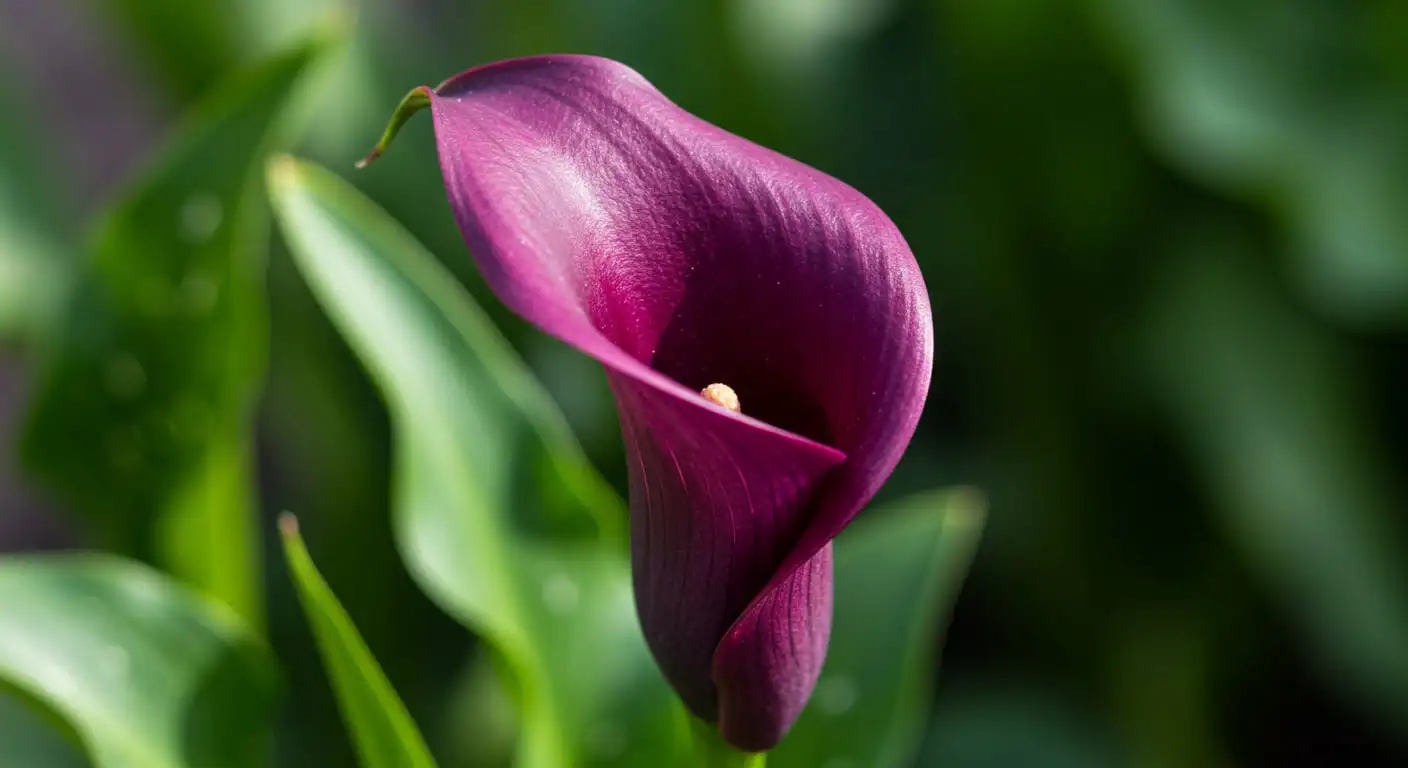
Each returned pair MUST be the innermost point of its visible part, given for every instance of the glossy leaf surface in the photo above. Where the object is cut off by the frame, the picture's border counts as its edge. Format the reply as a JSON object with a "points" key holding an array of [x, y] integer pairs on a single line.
{"points": [[377, 721], [499, 516], [146, 673]]}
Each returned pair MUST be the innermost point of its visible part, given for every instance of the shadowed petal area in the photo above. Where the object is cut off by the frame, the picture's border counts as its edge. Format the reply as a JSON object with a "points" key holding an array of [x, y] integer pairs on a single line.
{"points": [[679, 255], [768, 663], [713, 513]]}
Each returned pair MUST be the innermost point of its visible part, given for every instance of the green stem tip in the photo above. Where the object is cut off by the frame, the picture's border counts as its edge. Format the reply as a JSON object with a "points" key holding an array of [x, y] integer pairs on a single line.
{"points": [[415, 101]]}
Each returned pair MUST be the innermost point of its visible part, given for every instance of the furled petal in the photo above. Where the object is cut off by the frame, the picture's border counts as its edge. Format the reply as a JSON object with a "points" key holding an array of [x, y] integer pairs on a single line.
{"points": [[679, 255]]}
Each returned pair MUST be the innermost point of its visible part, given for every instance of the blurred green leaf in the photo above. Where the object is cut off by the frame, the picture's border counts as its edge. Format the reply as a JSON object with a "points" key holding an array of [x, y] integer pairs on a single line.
{"points": [[30, 279], [353, 89], [147, 673], [478, 696], [1278, 100], [711, 751], [187, 46], [1277, 425], [996, 725], [501, 519], [1162, 682], [34, 736], [33, 245], [380, 726], [142, 412], [897, 574]]}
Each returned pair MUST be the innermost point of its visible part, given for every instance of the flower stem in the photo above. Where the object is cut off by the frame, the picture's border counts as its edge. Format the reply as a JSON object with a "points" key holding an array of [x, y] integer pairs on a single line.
{"points": [[712, 752]]}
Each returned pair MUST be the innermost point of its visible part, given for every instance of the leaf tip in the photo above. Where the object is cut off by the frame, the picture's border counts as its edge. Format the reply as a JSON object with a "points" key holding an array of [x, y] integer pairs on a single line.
{"points": [[967, 507], [288, 525], [282, 171], [337, 20]]}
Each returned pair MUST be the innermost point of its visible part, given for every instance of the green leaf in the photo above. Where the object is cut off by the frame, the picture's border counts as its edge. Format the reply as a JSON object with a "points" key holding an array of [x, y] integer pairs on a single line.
{"points": [[1290, 456], [988, 724], [500, 517], [1240, 94], [188, 46], [31, 275], [147, 673], [31, 738], [33, 250], [382, 729], [142, 412], [898, 572]]}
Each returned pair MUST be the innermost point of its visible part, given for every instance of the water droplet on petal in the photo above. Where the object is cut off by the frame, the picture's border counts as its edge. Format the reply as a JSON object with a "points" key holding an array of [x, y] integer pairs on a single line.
{"points": [[124, 376], [560, 594], [835, 695], [201, 215]]}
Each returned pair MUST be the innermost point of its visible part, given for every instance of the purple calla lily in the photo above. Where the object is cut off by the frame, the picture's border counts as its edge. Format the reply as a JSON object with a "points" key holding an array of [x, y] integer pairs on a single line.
{"points": [[681, 256]]}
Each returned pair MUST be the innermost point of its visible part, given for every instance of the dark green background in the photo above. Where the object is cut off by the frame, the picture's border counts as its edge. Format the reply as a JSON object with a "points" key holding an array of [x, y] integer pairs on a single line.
{"points": [[1167, 246]]}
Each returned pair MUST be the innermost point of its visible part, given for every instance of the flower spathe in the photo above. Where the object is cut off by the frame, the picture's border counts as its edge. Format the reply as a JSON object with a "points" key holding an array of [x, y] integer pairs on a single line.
{"points": [[681, 256]]}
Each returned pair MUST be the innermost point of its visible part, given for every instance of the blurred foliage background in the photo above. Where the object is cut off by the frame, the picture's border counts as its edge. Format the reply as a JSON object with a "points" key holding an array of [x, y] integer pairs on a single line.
{"points": [[1167, 245]]}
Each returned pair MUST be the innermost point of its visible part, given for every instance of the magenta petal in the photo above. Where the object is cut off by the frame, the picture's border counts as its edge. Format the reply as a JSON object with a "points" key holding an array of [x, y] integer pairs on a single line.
{"points": [[768, 663], [714, 510], [679, 255]]}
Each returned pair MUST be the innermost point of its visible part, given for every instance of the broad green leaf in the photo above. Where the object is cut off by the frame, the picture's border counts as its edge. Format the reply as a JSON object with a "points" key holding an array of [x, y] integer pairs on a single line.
{"points": [[897, 574], [501, 519], [32, 739], [142, 412], [382, 729], [147, 673]]}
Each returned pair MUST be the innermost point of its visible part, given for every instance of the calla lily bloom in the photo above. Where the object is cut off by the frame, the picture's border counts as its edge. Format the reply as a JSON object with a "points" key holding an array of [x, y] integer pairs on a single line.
{"points": [[687, 260]]}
